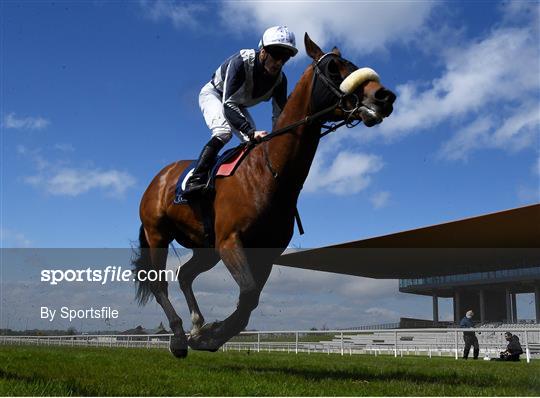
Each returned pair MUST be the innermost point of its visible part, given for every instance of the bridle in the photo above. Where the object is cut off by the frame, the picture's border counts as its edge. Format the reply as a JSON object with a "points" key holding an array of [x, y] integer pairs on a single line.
{"points": [[340, 103], [335, 90]]}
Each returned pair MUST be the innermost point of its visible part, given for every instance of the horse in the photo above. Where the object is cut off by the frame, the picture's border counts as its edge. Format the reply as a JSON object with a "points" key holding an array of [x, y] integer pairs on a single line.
{"points": [[254, 209]]}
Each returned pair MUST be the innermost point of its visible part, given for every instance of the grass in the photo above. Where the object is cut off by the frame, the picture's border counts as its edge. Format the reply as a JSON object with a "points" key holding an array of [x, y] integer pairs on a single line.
{"points": [[66, 371]]}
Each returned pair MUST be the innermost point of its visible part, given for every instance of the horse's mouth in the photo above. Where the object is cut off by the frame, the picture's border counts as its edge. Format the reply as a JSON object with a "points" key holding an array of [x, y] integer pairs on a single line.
{"points": [[369, 116]]}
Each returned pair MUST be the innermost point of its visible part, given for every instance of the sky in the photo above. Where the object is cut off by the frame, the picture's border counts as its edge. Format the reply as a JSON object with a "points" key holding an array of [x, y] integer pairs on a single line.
{"points": [[96, 97]]}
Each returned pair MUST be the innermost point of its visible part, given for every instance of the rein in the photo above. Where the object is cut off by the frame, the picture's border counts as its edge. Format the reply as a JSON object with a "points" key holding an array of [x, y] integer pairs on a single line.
{"points": [[307, 120], [339, 104]]}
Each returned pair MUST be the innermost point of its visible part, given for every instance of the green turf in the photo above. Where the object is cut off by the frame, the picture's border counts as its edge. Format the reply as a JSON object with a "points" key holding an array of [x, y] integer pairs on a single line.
{"points": [[103, 371]]}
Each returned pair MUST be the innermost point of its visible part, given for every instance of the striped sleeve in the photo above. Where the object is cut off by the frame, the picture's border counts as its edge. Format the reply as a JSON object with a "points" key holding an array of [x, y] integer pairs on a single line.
{"points": [[235, 78]]}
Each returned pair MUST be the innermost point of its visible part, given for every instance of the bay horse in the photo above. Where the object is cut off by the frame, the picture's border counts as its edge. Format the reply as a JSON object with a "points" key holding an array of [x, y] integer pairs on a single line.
{"points": [[255, 207]]}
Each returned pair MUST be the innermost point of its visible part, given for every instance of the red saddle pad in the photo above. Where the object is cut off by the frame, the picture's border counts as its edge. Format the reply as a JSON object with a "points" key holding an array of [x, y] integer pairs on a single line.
{"points": [[226, 169]]}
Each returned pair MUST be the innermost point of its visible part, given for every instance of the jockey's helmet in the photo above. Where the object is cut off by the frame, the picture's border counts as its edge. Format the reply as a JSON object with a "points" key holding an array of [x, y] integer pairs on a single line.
{"points": [[279, 36]]}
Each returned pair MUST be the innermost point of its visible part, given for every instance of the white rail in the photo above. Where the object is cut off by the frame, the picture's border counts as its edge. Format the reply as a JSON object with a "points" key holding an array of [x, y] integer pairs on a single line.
{"points": [[396, 342]]}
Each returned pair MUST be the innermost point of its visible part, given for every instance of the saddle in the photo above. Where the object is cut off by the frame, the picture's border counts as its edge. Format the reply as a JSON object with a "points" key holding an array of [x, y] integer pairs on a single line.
{"points": [[225, 166]]}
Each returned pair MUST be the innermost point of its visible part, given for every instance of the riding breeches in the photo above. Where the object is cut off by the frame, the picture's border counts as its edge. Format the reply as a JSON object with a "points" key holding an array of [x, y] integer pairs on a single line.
{"points": [[211, 104]]}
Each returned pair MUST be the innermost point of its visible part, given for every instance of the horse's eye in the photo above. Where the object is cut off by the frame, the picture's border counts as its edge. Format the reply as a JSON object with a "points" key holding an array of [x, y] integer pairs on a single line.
{"points": [[333, 68]]}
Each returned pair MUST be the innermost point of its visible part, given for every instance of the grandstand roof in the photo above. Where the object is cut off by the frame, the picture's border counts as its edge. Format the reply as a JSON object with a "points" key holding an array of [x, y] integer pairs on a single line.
{"points": [[503, 240]]}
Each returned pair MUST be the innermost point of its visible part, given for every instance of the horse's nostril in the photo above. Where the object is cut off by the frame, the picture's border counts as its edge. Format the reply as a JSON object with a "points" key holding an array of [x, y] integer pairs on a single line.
{"points": [[385, 95], [381, 94]]}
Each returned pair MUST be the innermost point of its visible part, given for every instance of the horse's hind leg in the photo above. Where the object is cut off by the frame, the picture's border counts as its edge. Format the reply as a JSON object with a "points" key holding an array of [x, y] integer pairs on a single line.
{"points": [[158, 255], [201, 261], [212, 336]]}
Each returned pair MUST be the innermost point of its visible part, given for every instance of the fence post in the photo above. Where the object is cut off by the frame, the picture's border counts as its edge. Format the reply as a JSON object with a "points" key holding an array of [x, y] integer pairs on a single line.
{"points": [[395, 343], [258, 342], [341, 343], [527, 352], [456, 347], [296, 345]]}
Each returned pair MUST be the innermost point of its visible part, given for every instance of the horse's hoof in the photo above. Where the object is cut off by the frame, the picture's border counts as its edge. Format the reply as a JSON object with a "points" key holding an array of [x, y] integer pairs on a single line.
{"points": [[178, 347], [198, 342]]}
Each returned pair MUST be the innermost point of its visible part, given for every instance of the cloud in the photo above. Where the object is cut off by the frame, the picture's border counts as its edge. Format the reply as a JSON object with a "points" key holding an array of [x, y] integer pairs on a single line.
{"points": [[475, 76], [73, 182], [359, 27], [64, 147], [484, 87], [519, 9], [368, 288], [181, 14], [13, 239], [473, 136], [527, 194], [343, 174], [57, 178], [380, 199], [382, 313], [518, 131], [11, 121]]}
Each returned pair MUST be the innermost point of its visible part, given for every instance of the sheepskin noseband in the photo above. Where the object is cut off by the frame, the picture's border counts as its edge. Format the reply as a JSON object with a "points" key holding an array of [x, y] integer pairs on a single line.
{"points": [[355, 79]]}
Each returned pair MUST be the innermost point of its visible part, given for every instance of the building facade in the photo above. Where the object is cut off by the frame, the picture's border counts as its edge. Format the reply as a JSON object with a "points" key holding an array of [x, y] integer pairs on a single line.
{"points": [[491, 295]]}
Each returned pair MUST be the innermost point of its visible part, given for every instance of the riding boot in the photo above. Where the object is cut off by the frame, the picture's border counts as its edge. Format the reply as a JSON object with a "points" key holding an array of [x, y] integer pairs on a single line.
{"points": [[476, 352], [206, 160]]}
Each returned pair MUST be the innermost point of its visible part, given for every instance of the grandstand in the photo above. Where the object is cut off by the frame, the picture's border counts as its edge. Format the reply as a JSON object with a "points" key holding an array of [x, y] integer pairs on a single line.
{"points": [[491, 295], [481, 263]]}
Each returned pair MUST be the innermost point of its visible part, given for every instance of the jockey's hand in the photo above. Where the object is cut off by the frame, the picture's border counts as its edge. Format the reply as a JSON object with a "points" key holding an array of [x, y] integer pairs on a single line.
{"points": [[258, 135]]}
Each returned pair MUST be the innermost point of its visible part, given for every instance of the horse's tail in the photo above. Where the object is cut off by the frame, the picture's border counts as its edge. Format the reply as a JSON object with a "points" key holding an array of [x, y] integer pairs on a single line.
{"points": [[142, 261]]}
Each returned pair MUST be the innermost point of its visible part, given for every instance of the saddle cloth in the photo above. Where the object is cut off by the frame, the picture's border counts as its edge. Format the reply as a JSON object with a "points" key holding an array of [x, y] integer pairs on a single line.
{"points": [[225, 166]]}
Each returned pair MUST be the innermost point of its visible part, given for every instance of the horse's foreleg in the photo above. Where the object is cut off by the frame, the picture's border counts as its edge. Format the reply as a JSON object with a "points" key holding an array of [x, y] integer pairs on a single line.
{"points": [[202, 261], [158, 256], [214, 335]]}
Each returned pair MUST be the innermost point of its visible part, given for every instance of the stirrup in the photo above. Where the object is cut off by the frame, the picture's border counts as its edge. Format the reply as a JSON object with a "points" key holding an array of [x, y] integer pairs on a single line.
{"points": [[193, 187]]}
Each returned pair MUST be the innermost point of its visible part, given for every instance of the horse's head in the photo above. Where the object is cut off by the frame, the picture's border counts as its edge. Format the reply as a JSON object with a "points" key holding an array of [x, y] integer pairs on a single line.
{"points": [[359, 92]]}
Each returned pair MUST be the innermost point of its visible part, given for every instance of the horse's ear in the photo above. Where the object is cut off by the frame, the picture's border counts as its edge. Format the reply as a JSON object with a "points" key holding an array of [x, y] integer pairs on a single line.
{"points": [[312, 49], [336, 51]]}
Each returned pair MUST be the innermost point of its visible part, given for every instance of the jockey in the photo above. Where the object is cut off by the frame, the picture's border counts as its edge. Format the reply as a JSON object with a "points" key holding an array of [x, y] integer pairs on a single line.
{"points": [[243, 80]]}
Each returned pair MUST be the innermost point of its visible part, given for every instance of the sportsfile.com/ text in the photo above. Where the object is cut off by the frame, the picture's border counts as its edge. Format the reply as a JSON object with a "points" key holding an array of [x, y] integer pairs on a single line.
{"points": [[103, 276]]}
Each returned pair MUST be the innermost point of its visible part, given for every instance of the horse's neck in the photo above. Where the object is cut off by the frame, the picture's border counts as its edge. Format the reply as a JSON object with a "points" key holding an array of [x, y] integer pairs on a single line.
{"points": [[292, 153]]}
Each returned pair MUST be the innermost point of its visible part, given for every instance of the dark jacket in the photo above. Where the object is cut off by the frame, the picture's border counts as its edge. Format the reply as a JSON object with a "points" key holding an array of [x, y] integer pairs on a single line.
{"points": [[514, 347], [243, 82], [467, 323]]}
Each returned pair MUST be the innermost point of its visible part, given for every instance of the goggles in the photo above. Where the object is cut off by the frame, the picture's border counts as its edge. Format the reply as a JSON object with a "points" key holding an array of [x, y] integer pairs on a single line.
{"points": [[279, 54]]}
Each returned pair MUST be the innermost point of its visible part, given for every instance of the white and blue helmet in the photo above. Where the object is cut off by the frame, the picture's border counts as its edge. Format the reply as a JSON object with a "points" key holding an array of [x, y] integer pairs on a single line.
{"points": [[279, 36]]}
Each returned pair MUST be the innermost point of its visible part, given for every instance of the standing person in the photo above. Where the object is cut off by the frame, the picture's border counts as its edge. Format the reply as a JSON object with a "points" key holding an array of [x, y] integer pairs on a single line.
{"points": [[513, 349], [243, 80], [469, 337]]}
